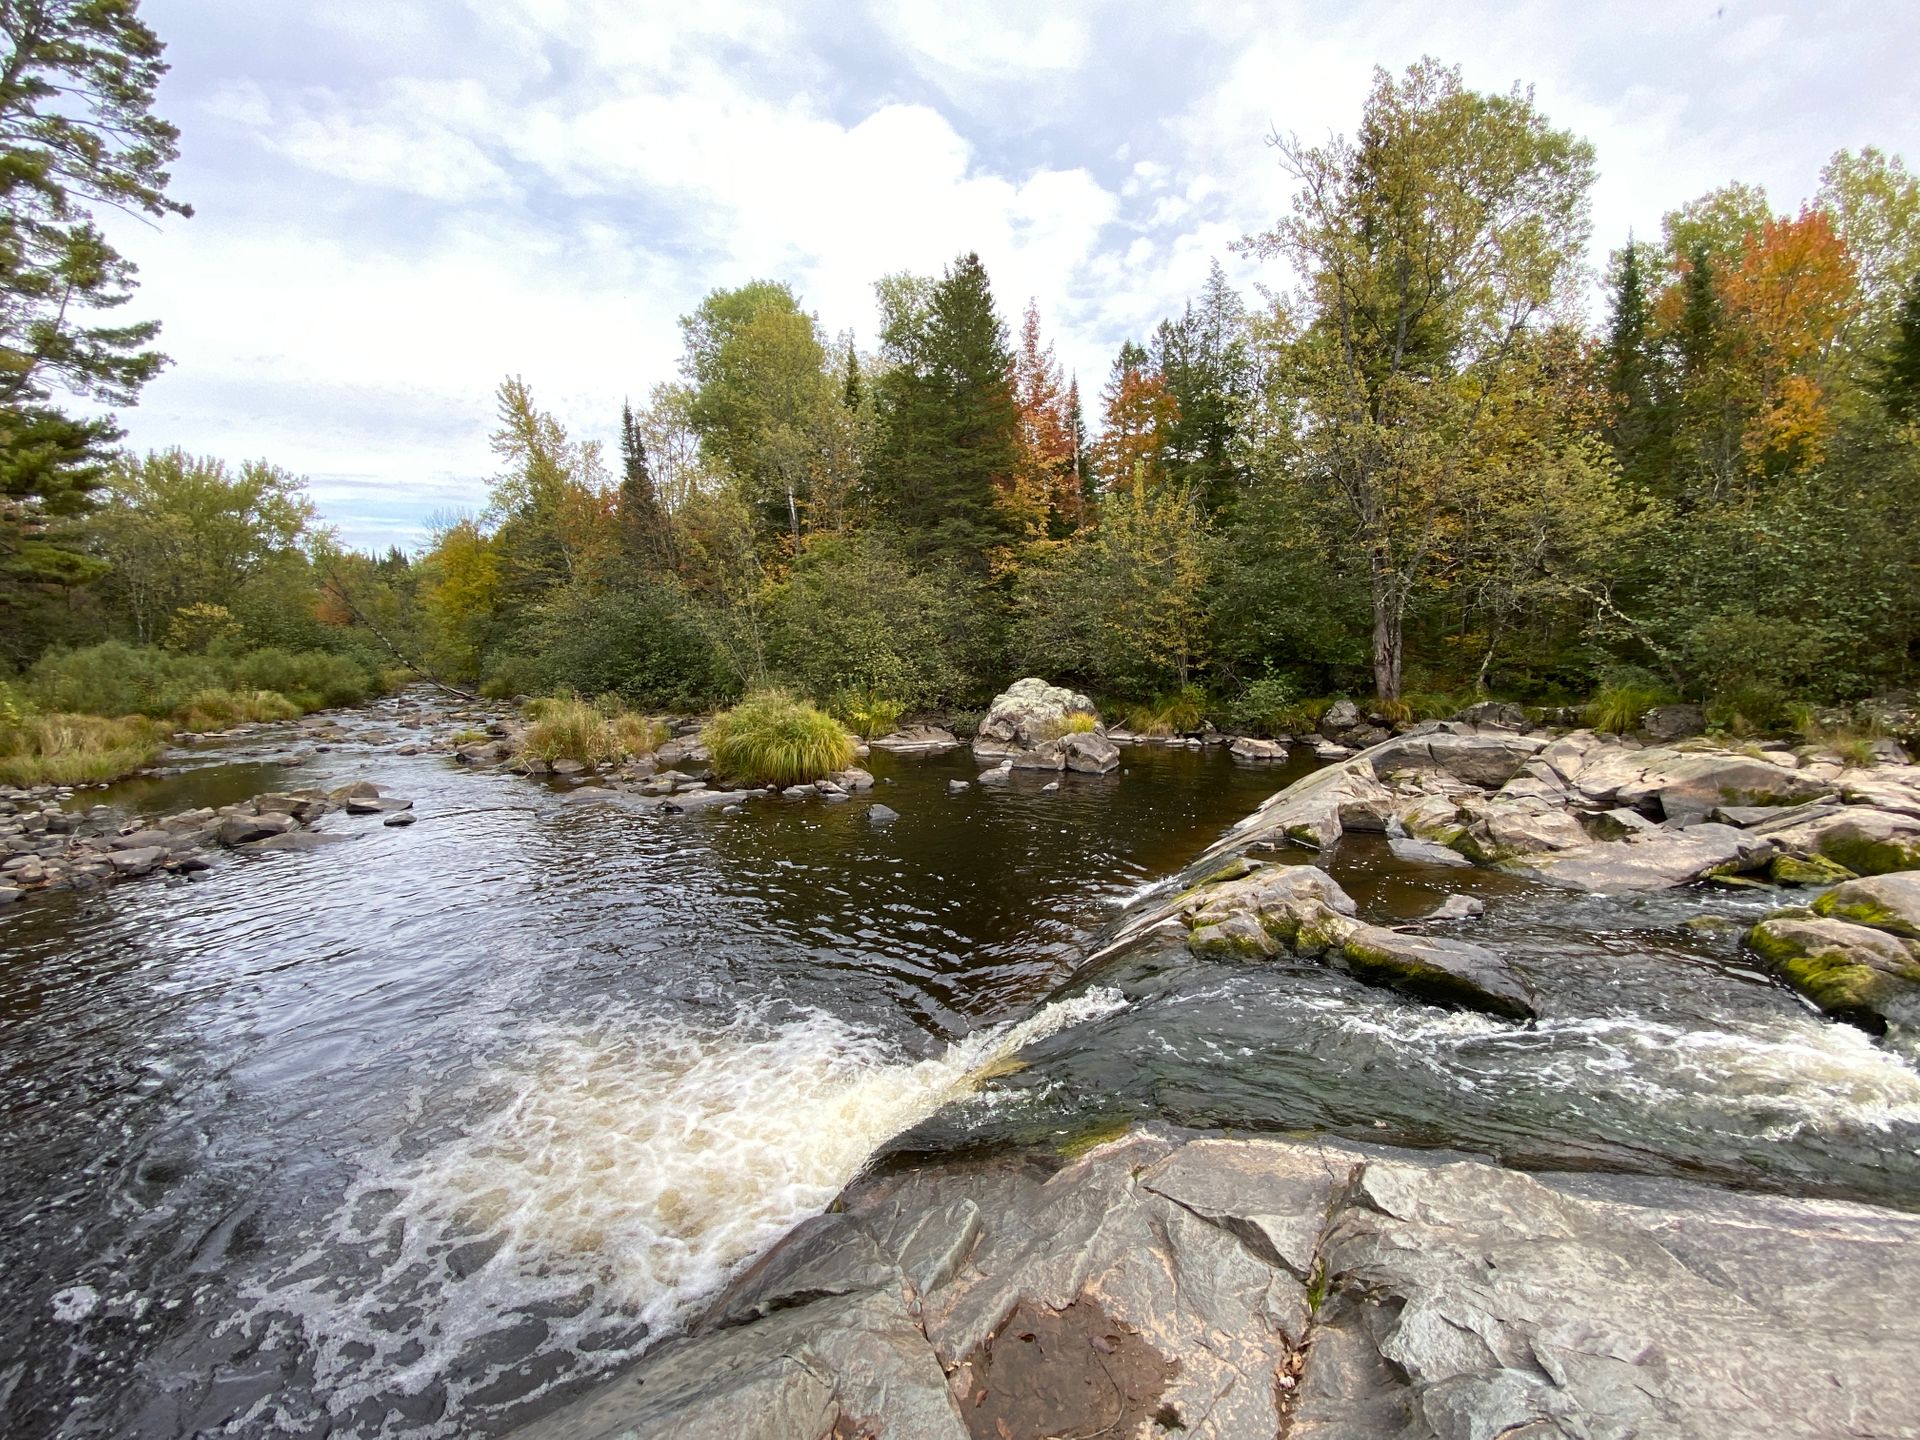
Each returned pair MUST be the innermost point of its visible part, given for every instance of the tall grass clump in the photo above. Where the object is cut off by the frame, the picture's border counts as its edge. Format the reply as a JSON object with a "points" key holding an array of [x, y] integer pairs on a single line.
{"points": [[565, 727], [770, 738], [76, 749], [1618, 706], [1175, 714], [223, 709]]}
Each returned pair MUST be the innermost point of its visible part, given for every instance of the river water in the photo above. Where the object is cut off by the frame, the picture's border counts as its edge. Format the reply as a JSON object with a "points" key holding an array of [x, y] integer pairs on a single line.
{"points": [[416, 1136]]}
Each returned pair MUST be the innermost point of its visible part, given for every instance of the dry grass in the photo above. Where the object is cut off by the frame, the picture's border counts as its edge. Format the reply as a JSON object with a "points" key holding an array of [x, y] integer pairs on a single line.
{"points": [[76, 749]]}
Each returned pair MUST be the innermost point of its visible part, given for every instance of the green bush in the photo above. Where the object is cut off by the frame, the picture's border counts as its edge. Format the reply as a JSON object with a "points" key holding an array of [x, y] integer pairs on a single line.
{"points": [[1260, 706], [114, 678], [772, 739], [866, 713], [312, 679], [643, 642], [1177, 714]]}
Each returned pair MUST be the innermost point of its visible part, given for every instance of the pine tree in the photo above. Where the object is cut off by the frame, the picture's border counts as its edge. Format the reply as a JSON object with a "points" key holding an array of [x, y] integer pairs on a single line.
{"points": [[1083, 473], [851, 394], [643, 528], [1899, 377], [1205, 359], [1638, 427], [949, 439], [77, 131]]}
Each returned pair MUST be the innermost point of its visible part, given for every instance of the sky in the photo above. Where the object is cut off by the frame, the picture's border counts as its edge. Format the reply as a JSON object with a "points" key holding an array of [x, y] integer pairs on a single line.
{"points": [[400, 202]]}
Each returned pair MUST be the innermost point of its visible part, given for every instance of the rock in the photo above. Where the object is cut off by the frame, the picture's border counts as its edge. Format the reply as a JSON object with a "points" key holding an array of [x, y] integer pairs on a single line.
{"points": [[399, 818], [1864, 976], [956, 787], [1232, 1287], [1441, 972], [1027, 714], [1622, 823], [882, 814], [1235, 936], [998, 775], [138, 861], [1426, 852], [1864, 841], [246, 829], [1310, 811], [143, 839], [9, 894], [1664, 723], [1814, 871], [918, 740], [800, 792], [1505, 831], [1494, 715], [853, 779], [298, 841], [1713, 925], [1456, 907], [1660, 860], [1089, 752], [1487, 761], [357, 790], [1691, 786], [566, 765], [1883, 902], [1329, 750], [1049, 787], [1340, 717], [1246, 747]]}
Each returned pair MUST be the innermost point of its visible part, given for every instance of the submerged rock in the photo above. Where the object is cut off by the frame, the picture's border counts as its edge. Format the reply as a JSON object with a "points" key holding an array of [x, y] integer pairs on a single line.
{"points": [[918, 740], [1246, 747]]}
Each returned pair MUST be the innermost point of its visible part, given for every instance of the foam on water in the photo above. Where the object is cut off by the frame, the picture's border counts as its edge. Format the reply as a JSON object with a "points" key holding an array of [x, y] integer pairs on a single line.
{"points": [[621, 1176]]}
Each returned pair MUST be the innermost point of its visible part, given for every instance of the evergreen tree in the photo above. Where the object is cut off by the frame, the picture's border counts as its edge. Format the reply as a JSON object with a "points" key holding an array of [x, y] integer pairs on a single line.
{"points": [[77, 82], [1083, 472], [1899, 369], [949, 436], [1637, 425], [851, 393], [642, 523], [1205, 359]]}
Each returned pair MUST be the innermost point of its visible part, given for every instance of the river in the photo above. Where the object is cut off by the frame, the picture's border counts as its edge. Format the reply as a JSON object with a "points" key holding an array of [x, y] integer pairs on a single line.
{"points": [[416, 1136]]}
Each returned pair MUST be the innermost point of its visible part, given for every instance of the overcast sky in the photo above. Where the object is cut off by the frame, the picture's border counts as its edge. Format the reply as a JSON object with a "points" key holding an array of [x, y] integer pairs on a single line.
{"points": [[401, 201]]}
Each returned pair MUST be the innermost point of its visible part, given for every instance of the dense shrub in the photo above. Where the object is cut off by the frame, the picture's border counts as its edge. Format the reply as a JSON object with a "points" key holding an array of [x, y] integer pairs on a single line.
{"points": [[1175, 714], [772, 739], [856, 618], [114, 678], [643, 642]]}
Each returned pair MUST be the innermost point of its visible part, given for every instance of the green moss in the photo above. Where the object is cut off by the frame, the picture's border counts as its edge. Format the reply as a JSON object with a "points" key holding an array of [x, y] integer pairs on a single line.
{"points": [[1866, 856], [1841, 987], [1791, 870], [1317, 1287], [1862, 911], [1093, 1137]]}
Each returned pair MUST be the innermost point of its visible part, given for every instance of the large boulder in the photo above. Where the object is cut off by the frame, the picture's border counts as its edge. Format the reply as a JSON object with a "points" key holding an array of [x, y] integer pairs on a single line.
{"points": [[1228, 1287], [1864, 841], [1317, 809], [1027, 714], [1300, 909], [1855, 973], [1665, 723], [1488, 761], [1655, 860], [1690, 786], [1089, 752], [1885, 902], [1494, 715]]}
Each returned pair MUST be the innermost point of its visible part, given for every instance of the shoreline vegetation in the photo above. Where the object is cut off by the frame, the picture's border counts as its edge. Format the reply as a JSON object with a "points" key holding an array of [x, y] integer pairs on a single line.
{"points": [[1399, 498]]}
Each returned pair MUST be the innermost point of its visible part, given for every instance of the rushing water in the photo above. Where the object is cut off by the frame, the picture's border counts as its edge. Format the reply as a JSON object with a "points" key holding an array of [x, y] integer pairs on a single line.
{"points": [[413, 1136]]}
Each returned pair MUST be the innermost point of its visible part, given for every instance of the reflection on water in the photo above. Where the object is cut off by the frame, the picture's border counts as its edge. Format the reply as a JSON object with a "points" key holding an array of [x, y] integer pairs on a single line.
{"points": [[415, 1135]]}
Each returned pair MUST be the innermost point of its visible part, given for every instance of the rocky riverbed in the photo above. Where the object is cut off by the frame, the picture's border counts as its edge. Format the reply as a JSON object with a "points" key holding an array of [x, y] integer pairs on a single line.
{"points": [[1173, 1282]]}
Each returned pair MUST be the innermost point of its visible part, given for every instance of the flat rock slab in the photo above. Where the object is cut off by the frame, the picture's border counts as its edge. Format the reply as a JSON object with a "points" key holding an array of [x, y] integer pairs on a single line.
{"points": [[1229, 1288]]}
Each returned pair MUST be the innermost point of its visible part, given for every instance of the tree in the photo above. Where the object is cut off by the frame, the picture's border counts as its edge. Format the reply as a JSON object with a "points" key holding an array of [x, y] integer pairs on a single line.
{"points": [[764, 400], [948, 448], [1873, 203], [77, 132], [179, 529], [645, 539], [1899, 367], [1047, 489], [1637, 421], [1138, 424], [1205, 360], [1430, 244], [549, 506]]}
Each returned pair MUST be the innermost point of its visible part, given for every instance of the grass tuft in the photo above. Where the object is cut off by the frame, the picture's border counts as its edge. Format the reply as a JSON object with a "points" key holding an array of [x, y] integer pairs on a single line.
{"points": [[867, 712], [569, 728], [770, 738], [1617, 708], [76, 749], [223, 709], [1177, 714]]}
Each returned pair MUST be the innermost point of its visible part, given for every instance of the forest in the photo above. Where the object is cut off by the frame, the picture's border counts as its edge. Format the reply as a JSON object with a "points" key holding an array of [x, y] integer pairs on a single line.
{"points": [[1440, 459]]}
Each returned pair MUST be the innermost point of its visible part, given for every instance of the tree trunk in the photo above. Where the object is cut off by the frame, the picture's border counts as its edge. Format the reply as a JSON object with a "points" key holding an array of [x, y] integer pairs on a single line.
{"points": [[1388, 624]]}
